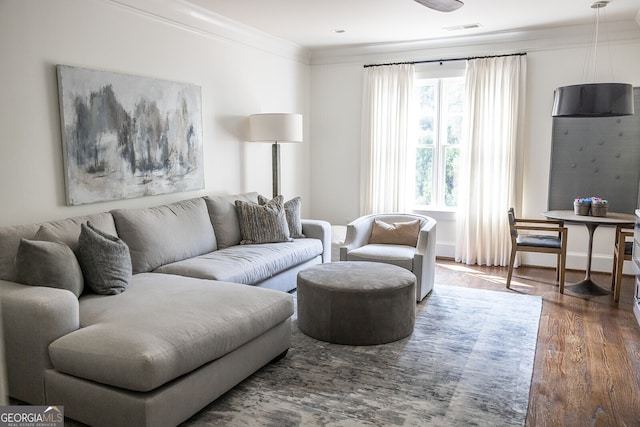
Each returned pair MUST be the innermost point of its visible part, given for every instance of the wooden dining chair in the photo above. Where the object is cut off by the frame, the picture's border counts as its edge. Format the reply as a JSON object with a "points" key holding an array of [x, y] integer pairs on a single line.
{"points": [[539, 235], [622, 251]]}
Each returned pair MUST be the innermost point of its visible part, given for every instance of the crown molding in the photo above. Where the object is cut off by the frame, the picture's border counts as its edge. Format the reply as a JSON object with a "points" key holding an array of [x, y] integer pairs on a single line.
{"points": [[474, 45], [191, 17]]}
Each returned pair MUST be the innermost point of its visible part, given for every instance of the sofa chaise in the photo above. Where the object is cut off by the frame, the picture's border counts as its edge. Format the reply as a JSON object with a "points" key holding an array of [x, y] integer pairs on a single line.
{"points": [[186, 329]]}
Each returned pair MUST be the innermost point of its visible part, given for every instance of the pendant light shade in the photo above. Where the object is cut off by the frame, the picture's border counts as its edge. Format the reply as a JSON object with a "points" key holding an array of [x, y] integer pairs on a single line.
{"points": [[593, 100]]}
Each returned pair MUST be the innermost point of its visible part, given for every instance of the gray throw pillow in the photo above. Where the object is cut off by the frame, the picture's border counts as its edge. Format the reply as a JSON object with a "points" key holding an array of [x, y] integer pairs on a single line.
{"points": [[105, 261], [292, 209], [52, 264], [262, 223]]}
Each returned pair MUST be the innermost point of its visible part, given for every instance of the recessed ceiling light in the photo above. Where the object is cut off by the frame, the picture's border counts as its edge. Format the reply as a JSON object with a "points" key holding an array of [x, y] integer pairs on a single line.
{"points": [[339, 31], [462, 27]]}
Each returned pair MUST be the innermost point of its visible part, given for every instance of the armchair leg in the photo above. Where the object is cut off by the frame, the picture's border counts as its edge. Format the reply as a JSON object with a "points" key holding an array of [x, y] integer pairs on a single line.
{"points": [[618, 275], [561, 267], [613, 271], [512, 258]]}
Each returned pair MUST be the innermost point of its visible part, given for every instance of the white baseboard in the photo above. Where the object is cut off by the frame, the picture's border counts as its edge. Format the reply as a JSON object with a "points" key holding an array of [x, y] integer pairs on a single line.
{"points": [[575, 261], [446, 249]]}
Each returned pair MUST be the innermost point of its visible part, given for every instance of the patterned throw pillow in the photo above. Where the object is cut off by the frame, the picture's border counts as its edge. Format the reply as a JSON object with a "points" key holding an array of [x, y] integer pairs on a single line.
{"points": [[46, 263], [262, 223], [105, 261], [292, 209], [398, 233]]}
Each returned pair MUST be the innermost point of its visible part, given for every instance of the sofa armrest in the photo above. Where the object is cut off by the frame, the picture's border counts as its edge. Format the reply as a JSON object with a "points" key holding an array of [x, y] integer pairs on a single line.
{"points": [[358, 233], [32, 318], [425, 258], [319, 229], [427, 238]]}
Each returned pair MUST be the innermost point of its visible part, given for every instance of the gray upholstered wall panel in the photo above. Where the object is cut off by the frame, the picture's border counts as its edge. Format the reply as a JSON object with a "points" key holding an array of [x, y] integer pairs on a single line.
{"points": [[596, 157]]}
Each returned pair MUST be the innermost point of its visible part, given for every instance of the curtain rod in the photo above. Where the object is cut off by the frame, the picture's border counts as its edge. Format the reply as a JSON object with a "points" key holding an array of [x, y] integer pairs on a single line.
{"points": [[446, 60]]}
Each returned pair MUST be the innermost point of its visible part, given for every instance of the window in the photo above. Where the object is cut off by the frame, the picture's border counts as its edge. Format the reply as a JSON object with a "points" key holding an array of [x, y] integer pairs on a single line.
{"points": [[438, 123]]}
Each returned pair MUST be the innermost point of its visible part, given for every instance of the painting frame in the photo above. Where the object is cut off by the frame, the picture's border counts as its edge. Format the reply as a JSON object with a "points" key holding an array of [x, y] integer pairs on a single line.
{"points": [[127, 136]]}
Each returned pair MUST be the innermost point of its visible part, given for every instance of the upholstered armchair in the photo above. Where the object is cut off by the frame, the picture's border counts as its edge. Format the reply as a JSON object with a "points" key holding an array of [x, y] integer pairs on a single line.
{"points": [[419, 258]]}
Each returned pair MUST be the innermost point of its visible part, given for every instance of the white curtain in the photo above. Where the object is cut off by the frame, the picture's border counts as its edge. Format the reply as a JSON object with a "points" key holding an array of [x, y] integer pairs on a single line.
{"points": [[494, 101], [385, 127]]}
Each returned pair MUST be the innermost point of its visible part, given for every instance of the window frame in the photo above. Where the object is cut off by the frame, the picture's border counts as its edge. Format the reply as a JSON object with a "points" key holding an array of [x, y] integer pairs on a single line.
{"points": [[433, 72]]}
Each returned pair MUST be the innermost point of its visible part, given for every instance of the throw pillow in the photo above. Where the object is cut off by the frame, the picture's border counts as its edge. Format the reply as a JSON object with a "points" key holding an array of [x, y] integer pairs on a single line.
{"points": [[262, 223], [105, 261], [398, 233], [52, 264], [292, 209]]}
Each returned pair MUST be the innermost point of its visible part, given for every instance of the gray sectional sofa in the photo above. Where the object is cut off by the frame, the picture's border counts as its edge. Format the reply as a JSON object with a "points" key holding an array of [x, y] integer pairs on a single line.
{"points": [[183, 332]]}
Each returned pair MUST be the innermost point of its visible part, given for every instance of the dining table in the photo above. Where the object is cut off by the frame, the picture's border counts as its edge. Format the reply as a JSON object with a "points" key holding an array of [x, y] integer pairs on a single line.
{"points": [[587, 286]]}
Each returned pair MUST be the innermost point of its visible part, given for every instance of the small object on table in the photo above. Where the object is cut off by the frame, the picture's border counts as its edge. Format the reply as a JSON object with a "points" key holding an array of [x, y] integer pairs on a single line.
{"points": [[594, 206], [582, 206], [599, 207]]}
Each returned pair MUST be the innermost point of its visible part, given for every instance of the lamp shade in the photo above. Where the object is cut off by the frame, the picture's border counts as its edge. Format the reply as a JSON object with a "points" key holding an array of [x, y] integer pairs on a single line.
{"points": [[272, 127], [593, 100]]}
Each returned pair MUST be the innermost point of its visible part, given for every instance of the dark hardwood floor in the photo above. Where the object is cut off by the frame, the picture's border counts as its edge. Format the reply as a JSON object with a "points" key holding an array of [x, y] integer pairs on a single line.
{"points": [[587, 363]]}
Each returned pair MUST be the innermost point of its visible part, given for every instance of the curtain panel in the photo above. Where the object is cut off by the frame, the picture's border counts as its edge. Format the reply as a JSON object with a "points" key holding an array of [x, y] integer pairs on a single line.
{"points": [[385, 127], [494, 108]]}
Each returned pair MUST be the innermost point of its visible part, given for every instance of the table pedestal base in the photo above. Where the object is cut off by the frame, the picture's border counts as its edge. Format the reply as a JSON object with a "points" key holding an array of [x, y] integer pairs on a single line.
{"points": [[586, 287]]}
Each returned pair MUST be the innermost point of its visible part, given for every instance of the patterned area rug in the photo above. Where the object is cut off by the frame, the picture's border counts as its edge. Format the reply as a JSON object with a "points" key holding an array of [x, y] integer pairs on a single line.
{"points": [[468, 362]]}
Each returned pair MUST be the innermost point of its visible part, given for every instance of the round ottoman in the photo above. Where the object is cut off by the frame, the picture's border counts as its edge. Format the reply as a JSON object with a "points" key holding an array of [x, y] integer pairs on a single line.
{"points": [[356, 303]]}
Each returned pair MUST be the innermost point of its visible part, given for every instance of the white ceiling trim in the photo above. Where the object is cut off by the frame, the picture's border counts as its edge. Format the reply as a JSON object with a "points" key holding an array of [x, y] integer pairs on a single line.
{"points": [[193, 18], [477, 45]]}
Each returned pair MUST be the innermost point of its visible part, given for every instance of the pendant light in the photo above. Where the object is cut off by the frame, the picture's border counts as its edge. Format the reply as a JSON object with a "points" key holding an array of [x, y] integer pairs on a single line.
{"points": [[594, 99]]}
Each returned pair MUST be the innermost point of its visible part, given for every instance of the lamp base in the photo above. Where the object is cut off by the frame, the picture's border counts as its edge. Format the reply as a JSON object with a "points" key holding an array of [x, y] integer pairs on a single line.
{"points": [[275, 168]]}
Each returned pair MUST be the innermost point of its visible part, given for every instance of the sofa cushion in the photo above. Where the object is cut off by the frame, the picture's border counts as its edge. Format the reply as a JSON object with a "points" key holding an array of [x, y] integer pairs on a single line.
{"points": [[185, 323], [164, 234], [262, 223], [105, 261], [249, 264], [9, 242], [222, 212], [400, 255], [45, 263], [67, 230]]}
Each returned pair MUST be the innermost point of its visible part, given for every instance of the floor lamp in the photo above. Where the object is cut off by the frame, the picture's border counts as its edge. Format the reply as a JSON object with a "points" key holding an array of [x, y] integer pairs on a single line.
{"points": [[276, 128]]}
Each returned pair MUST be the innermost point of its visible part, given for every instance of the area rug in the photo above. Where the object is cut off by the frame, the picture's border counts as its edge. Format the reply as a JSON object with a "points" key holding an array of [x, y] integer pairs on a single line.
{"points": [[469, 362]]}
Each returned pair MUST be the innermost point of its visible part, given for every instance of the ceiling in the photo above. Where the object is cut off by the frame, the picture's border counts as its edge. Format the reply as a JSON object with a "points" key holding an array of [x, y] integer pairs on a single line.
{"points": [[317, 23]]}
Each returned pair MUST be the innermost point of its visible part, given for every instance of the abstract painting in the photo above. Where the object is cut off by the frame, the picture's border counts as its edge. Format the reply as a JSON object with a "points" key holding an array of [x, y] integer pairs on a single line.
{"points": [[125, 136]]}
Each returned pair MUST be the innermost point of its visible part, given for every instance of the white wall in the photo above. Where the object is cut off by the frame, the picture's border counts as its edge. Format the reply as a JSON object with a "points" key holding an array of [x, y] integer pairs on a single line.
{"points": [[244, 73], [238, 78], [554, 58]]}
